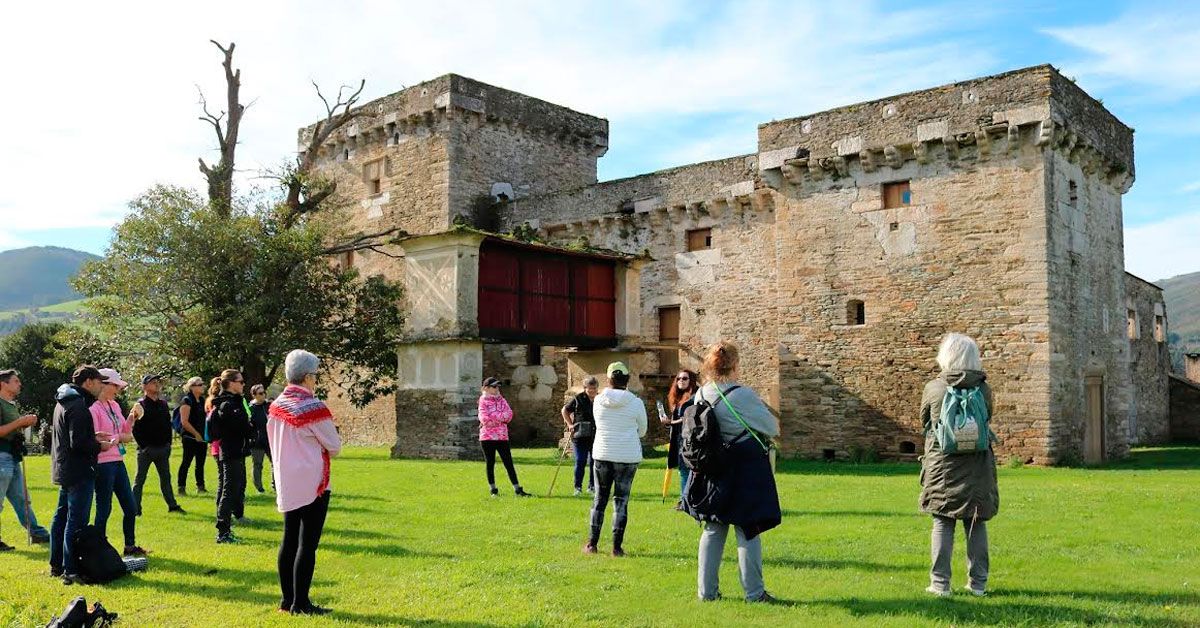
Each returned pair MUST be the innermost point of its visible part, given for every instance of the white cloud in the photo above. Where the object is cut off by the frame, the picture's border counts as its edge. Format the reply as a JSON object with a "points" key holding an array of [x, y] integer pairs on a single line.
{"points": [[1141, 47], [1163, 249], [100, 98], [1191, 187]]}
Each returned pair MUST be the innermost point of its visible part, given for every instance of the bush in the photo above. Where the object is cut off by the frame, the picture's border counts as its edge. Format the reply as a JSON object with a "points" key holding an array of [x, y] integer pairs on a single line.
{"points": [[863, 455]]}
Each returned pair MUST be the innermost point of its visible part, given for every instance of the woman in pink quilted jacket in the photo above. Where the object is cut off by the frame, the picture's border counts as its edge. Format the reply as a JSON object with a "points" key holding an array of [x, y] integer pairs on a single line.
{"points": [[494, 416]]}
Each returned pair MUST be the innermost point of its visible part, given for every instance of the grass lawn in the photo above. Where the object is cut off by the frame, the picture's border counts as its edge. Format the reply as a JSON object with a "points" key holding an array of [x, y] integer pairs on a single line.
{"points": [[419, 542]]}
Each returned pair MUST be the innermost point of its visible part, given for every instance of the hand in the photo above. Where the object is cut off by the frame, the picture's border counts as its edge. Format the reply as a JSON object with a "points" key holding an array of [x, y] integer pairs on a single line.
{"points": [[29, 420], [105, 445], [103, 437], [662, 418]]}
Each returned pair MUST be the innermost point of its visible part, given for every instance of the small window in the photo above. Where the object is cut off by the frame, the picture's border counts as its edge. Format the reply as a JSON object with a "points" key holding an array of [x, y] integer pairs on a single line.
{"points": [[828, 454], [668, 333], [1160, 328], [533, 355], [895, 226], [908, 447], [699, 239], [896, 194], [1131, 325], [1072, 193], [856, 312]]}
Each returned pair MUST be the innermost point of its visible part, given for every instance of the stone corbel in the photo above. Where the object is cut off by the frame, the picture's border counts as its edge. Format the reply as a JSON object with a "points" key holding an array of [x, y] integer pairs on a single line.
{"points": [[794, 170], [693, 211], [921, 152], [984, 142], [1122, 180], [951, 145], [839, 164], [762, 201], [1045, 132], [1014, 139], [816, 169], [893, 156], [866, 159]]}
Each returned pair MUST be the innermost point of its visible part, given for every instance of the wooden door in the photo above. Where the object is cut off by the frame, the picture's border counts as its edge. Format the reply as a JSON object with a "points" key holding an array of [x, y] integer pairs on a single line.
{"points": [[1093, 434], [668, 333]]}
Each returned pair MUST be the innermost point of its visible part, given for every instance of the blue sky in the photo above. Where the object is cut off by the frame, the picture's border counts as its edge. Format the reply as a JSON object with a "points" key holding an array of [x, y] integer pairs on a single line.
{"points": [[106, 102]]}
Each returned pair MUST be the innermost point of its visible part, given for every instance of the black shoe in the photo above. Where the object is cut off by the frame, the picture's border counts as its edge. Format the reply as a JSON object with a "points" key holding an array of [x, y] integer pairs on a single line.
{"points": [[71, 578], [181, 491], [202, 490], [5, 547], [311, 609], [495, 492], [520, 492], [40, 538], [55, 572], [766, 598], [228, 538], [177, 508]]}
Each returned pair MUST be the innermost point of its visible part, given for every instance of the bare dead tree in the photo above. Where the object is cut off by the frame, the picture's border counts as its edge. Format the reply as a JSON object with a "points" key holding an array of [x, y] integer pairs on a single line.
{"points": [[220, 176], [305, 193]]}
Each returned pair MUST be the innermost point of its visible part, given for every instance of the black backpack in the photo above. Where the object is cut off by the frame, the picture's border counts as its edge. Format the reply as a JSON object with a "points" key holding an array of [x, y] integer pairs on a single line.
{"points": [[77, 615], [97, 560], [702, 449]]}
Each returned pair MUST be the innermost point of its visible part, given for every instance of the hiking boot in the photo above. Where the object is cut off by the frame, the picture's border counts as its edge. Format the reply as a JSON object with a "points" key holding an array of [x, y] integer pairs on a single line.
{"points": [[181, 491], [133, 550], [589, 548], [618, 552], [177, 508], [72, 578], [228, 538], [202, 490], [974, 591], [311, 609], [5, 547], [56, 572], [618, 541], [938, 592], [41, 538]]}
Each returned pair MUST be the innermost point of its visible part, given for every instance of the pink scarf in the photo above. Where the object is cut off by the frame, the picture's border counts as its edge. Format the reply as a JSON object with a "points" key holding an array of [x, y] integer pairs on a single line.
{"points": [[297, 407]]}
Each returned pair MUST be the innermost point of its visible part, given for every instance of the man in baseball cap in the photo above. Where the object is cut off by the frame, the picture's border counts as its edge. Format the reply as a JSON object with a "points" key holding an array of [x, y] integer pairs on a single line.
{"points": [[617, 367], [151, 418]]}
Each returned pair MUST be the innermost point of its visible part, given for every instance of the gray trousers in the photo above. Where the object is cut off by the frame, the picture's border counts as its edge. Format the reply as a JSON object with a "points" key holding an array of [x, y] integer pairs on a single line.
{"points": [[712, 547], [942, 552], [160, 457], [256, 456]]}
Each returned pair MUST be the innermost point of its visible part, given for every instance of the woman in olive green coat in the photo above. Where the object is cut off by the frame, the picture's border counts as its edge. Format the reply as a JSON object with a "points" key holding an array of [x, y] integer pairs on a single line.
{"points": [[961, 486]]}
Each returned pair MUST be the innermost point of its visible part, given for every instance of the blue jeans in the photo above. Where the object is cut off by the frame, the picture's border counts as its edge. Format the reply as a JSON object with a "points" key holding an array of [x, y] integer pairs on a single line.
{"points": [[12, 486], [684, 474], [112, 478], [74, 508], [583, 460]]}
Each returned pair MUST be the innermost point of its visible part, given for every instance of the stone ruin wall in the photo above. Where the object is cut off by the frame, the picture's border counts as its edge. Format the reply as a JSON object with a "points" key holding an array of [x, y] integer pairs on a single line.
{"points": [[1149, 364]]}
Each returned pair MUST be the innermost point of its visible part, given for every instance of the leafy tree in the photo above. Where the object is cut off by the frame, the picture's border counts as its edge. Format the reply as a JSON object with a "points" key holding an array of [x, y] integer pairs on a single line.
{"points": [[192, 285], [30, 350]]}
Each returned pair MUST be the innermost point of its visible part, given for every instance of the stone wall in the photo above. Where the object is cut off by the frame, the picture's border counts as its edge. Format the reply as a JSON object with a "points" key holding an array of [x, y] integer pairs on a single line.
{"points": [[1149, 363], [1185, 409], [535, 392]]}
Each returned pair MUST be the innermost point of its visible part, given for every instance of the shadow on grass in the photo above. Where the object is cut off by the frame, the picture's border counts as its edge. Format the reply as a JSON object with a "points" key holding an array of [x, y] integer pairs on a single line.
{"points": [[380, 619], [849, 513], [796, 563], [384, 549], [1116, 597], [1170, 457], [961, 610]]}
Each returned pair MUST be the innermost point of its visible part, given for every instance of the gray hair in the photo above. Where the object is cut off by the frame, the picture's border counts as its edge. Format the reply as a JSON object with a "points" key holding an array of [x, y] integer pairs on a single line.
{"points": [[298, 364], [958, 352], [590, 380]]}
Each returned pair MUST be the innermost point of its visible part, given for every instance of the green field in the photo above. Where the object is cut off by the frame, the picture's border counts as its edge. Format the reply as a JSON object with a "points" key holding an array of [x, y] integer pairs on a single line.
{"points": [[418, 542], [60, 309]]}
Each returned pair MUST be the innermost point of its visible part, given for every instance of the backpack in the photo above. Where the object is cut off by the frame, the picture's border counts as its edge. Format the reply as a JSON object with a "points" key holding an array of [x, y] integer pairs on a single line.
{"points": [[212, 428], [77, 615], [96, 559], [701, 447], [963, 428], [177, 421]]}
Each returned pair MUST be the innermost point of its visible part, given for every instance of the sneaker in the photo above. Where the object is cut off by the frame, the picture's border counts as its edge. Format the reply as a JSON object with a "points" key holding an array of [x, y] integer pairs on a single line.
{"points": [[495, 492], [578, 492], [177, 508], [520, 492], [766, 598], [975, 592], [938, 592], [71, 578], [134, 550], [311, 609], [710, 599], [228, 538], [5, 547], [589, 548]]}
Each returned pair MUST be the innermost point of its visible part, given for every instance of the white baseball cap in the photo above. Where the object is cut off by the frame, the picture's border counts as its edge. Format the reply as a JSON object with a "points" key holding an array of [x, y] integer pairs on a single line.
{"points": [[111, 376]]}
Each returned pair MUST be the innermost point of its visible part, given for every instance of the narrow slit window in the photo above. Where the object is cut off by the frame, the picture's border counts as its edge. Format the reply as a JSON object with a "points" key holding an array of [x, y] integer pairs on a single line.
{"points": [[856, 312], [373, 176], [896, 194], [1131, 325], [533, 355], [1072, 193], [1160, 328], [699, 239]]}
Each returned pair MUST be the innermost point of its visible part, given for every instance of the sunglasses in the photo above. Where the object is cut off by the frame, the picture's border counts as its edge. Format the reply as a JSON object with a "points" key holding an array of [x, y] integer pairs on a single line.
{"points": [[683, 378]]}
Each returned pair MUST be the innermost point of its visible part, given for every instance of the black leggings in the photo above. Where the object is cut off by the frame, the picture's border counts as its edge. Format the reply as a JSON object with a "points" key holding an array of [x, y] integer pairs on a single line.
{"points": [[490, 447], [298, 553], [192, 450]]}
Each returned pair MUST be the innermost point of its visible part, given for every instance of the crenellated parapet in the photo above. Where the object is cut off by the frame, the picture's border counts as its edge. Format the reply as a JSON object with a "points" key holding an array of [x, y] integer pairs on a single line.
{"points": [[423, 109]]}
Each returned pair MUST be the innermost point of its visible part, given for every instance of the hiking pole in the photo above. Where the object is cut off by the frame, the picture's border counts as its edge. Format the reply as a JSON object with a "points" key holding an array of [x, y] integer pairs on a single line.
{"points": [[556, 468], [28, 503]]}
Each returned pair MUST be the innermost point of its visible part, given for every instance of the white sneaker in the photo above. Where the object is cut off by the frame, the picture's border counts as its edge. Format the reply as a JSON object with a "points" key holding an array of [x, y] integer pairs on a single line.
{"points": [[938, 592], [975, 592], [578, 492]]}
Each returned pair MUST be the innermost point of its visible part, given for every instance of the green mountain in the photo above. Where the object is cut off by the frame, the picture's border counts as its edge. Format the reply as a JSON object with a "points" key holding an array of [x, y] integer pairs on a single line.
{"points": [[37, 276], [1182, 295]]}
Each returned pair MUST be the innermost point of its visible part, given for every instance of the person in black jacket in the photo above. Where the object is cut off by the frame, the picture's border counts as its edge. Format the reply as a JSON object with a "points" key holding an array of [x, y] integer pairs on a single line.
{"points": [[231, 415], [151, 418], [582, 426], [75, 445], [678, 400], [259, 447]]}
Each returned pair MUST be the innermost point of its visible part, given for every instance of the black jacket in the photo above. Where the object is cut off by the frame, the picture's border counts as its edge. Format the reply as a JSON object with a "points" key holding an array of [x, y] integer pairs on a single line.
{"points": [[258, 419], [744, 495], [153, 429], [677, 433], [233, 423], [73, 446]]}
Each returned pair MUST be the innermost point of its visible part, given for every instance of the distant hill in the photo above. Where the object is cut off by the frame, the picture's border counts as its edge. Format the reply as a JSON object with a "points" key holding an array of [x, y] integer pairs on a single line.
{"points": [[1182, 295], [37, 276]]}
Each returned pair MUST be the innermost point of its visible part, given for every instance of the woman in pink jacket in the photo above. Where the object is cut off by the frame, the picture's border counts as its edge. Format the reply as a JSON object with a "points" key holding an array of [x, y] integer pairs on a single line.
{"points": [[303, 440], [494, 417], [112, 477]]}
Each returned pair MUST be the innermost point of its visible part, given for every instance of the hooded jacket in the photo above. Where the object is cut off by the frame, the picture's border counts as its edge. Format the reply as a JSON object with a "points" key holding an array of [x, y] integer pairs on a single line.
{"points": [[620, 425], [959, 486], [73, 446], [234, 427]]}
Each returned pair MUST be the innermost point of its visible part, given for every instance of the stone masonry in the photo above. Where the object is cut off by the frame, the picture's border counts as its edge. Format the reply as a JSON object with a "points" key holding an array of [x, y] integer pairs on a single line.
{"points": [[1008, 228]]}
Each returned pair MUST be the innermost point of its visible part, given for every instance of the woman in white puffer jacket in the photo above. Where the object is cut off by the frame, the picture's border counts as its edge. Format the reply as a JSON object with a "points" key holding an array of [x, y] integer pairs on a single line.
{"points": [[620, 425]]}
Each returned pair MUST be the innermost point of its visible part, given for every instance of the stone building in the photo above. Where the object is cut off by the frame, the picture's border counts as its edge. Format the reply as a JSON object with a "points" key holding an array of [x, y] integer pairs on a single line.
{"points": [[836, 256]]}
